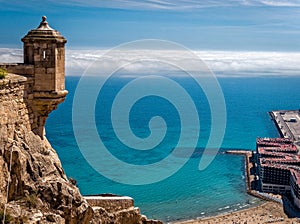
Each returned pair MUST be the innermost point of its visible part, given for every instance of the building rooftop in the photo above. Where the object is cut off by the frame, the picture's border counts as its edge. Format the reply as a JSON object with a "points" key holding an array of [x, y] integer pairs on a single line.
{"points": [[290, 149], [277, 165], [277, 153], [273, 140], [282, 160]]}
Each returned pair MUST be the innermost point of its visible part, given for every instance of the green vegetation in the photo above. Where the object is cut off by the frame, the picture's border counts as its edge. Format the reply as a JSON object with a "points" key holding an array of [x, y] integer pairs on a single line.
{"points": [[3, 73], [31, 200]]}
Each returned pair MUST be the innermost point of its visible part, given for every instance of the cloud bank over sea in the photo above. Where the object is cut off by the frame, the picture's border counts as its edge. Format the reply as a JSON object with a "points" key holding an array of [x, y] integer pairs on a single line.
{"points": [[222, 63]]}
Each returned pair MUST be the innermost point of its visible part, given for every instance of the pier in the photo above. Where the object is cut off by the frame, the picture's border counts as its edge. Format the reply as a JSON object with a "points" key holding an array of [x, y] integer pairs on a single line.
{"points": [[250, 173], [288, 124], [248, 165]]}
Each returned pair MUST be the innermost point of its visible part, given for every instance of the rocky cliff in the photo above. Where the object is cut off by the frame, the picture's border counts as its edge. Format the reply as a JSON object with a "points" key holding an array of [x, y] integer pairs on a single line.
{"points": [[33, 185]]}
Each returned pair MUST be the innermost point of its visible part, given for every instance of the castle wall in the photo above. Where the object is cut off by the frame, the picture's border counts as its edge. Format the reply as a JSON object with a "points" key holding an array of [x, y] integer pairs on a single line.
{"points": [[16, 116], [20, 68], [111, 204], [60, 69], [44, 65], [16, 111]]}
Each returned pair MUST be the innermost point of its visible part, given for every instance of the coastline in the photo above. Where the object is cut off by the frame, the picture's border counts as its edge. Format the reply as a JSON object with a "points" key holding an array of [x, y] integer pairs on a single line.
{"points": [[270, 211]]}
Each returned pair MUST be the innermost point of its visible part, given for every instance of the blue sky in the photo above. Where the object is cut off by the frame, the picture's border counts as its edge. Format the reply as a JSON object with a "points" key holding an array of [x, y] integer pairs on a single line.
{"points": [[235, 25]]}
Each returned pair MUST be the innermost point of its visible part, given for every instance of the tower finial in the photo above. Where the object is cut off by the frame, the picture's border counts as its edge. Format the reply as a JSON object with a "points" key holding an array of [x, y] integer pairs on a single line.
{"points": [[44, 24]]}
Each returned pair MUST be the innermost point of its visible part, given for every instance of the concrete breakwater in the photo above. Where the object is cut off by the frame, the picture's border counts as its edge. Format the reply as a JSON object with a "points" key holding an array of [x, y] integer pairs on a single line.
{"points": [[248, 165], [249, 176]]}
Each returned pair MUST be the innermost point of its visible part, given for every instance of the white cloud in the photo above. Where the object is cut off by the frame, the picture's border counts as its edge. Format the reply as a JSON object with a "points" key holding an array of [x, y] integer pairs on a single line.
{"points": [[283, 3], [11, 55], [222, 63], [156, 4], [283, 63], [179, 4]]}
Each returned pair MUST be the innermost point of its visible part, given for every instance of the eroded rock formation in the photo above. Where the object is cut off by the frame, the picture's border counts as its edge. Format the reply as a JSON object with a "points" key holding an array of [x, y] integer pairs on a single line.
{"points": [[38, 190]]}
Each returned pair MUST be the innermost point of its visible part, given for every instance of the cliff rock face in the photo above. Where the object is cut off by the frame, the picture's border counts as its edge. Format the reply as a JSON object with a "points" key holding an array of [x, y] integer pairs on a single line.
{"points": [[33, 185], [38, 189]]}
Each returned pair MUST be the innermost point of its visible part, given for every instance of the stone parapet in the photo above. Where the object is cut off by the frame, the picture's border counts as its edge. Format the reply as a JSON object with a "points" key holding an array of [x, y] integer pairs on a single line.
{"points": [[111, 203], [15, 110], [18, 68], [34, 107]]}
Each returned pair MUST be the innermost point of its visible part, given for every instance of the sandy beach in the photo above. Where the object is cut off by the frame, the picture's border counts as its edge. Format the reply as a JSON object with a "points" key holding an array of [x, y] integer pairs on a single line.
{"points": [[269, 212]]}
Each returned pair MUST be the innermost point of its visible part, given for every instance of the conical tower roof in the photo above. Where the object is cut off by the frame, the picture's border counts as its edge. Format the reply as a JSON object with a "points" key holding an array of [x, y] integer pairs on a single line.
{"points": [[44, 32]]}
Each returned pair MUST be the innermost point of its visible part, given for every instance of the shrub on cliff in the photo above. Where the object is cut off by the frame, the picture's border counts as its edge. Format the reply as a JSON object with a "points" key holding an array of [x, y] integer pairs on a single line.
{"points": [[3, 73]]}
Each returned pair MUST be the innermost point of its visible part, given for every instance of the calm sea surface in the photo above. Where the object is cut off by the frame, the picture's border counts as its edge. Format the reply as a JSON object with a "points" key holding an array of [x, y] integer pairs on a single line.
{"points": [[189, 193]]}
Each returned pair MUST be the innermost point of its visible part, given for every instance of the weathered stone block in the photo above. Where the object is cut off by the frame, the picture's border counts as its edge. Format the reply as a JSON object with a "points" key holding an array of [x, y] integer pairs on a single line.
{"points": [[37, 57], [50, 70], [39, 72]]}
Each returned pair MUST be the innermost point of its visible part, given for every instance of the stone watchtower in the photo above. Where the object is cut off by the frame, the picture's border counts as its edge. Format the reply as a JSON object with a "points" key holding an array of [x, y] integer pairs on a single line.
{"points": [[44, 48], [44, 71]]}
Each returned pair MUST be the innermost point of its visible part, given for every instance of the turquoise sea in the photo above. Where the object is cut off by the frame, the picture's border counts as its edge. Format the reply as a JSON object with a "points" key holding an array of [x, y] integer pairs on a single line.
{"points": [[189, 193]]}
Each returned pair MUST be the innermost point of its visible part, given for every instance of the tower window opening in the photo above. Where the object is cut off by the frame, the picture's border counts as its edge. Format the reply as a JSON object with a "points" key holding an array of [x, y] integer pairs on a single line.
{"points": [[44, 55]]}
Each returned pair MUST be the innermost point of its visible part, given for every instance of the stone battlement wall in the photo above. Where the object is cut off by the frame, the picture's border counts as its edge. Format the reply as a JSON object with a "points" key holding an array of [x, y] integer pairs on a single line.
{"points": [[18, 68], [24, 106], [16, 111], [38, 103]]}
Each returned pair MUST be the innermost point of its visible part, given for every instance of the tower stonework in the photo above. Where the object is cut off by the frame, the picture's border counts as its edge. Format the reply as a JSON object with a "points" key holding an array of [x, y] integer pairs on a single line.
{"points": [[44, 71], [44, 48]]}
